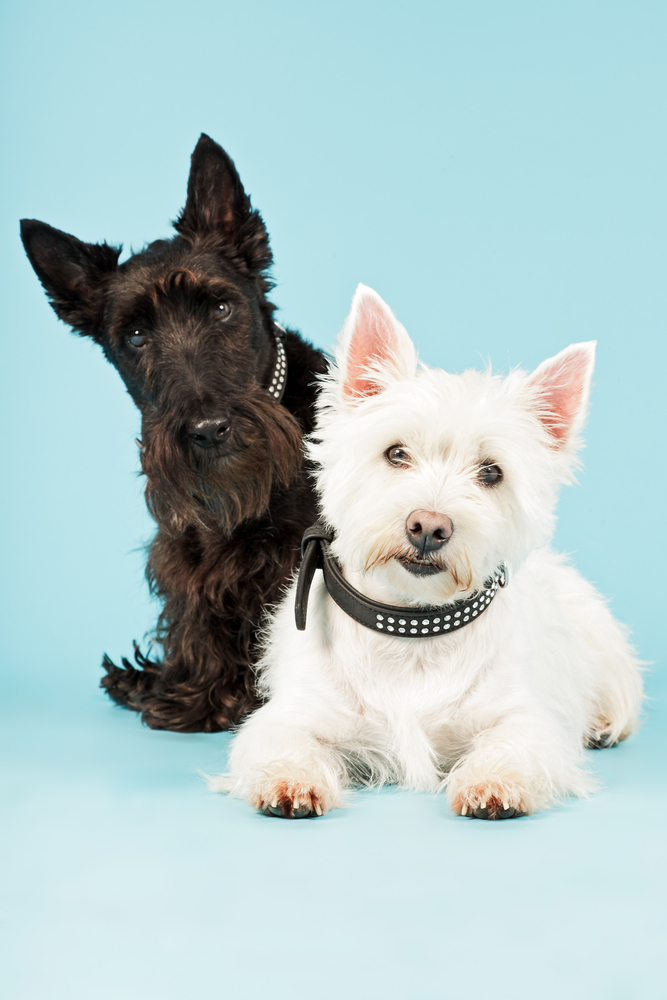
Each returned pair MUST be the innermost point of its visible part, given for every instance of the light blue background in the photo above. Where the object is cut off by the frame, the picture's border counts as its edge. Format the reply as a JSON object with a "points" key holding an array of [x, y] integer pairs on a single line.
{"points": [[497, 172]]}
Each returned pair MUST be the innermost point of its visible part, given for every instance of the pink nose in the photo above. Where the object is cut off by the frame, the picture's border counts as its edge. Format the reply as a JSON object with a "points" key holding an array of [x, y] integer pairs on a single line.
{"points": [[428, 531]]}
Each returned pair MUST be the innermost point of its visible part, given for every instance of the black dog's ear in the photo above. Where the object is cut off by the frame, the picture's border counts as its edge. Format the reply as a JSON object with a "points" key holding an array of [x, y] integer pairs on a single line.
{"points": [[218, 207], [71, 272]]}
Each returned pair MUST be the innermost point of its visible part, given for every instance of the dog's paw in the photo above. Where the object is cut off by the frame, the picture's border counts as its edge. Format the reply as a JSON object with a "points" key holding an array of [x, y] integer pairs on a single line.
{"points": [[291, 800], [490, 800], [601, 735], [602, 741]]}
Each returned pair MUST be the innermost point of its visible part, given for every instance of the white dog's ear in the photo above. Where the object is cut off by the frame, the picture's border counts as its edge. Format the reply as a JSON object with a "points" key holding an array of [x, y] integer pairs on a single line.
{"points": [[374, 349], [563, 383]]}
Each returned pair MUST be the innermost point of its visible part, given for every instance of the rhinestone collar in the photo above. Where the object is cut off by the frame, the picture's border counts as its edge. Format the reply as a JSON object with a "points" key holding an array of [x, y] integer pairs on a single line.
{"points": [[405, 623], [276, 386]]}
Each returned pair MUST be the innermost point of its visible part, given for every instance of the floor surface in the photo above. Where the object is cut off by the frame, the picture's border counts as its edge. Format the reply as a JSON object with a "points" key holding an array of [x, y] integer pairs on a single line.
{"points": [[129, 880]]}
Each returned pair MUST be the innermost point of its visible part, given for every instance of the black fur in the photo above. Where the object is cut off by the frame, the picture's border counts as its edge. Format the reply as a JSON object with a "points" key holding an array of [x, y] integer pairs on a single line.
{"points": [[189, 327]]}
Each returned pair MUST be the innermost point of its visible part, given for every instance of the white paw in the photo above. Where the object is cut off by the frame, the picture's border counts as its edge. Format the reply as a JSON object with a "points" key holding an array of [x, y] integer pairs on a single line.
{"points": [[603, 734], [492, 799], [290, 798]]}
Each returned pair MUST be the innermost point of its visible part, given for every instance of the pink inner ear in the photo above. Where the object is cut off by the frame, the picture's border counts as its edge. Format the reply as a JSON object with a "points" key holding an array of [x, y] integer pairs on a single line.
{"points": [[563, 383], [373, 338]]}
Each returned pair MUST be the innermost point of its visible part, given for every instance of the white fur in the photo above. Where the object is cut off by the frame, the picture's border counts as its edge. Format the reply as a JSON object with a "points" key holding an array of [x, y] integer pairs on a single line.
{"points": [[498, 714]]}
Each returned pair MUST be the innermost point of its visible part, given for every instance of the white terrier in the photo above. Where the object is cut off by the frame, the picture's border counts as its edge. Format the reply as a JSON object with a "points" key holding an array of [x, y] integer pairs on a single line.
{"points": [[419, 665]]}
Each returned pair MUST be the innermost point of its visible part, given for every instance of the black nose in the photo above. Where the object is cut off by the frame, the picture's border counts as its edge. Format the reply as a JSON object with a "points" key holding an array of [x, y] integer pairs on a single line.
{"points": [[428, 531], [209, 433]]}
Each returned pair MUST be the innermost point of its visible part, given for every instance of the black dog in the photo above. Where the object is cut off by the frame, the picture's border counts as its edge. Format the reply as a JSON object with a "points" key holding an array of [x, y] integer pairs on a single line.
{"points": [[225, 397]]}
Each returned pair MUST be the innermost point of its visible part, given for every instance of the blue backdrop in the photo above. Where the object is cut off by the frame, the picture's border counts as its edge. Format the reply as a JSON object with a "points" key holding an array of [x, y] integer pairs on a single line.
{"points": [[497, 172]]}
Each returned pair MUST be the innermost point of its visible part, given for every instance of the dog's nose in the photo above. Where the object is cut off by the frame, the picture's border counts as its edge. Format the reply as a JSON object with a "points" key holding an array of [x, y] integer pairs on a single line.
{"points": [[428, 531], [209, 433]]}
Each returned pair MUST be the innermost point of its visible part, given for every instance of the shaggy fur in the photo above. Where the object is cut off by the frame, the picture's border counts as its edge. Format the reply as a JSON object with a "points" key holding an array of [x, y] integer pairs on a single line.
{"points": [[189, 327], [499, 713]]}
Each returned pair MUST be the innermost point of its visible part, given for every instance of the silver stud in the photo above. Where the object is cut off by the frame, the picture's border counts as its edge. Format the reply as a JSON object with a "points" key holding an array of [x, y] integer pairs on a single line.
{"points": [[447, 626], [435, 621], [401, 621], [390, 628], [424, 631], [379, 625], [474, 614], [436, 628], [425, 621], [390, 620], [401, 630], [380, 618], [413, 631], [457, 615], [457, 623], [447, 617], [466, 619]]}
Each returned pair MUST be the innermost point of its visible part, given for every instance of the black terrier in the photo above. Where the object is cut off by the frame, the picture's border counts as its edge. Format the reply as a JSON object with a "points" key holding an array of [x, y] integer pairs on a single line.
{"points": [[225, 396]]}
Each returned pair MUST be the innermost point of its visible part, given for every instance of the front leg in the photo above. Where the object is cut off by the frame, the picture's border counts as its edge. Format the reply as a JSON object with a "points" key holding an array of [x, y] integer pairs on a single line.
{"points": [[523, 763], [283, 761]]}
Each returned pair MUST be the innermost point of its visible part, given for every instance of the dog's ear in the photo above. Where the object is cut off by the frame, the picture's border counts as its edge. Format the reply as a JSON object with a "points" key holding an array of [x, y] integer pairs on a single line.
{"points": [[374, 348], [563, 387], [217, 207], [72, 273]]}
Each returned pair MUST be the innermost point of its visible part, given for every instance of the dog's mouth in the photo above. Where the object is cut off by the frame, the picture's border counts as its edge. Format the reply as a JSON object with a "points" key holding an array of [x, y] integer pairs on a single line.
{"points": [[420, 565]]}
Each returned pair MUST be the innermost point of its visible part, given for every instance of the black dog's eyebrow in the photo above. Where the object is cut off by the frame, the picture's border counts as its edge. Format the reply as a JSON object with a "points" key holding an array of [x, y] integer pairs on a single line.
{"points": [[144, 306], [139, 312]]}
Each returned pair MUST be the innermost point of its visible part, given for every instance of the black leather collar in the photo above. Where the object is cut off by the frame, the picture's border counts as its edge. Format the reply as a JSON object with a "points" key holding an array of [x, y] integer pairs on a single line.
{"points": [[276, 386], [404, 623]]}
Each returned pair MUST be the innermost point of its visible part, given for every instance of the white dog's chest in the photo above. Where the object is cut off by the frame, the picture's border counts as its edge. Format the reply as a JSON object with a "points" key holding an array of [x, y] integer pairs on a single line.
{"points": [[390, 678]]}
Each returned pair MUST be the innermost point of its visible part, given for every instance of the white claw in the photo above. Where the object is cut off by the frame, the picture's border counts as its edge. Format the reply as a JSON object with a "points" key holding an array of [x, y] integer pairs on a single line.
{"points": [[482, 804], [464, 810], [318, 809], [506, 805], [274, 803]]}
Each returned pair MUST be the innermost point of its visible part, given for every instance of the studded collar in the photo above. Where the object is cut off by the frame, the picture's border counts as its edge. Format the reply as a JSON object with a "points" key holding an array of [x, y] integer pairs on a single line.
{"points": [[404, 623], [276, 387]]}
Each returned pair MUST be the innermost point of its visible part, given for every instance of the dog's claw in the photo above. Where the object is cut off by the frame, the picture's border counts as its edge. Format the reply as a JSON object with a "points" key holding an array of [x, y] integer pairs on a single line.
{"points": [[600, 743], [287, 805], [464, 810], [507, 812], [301, 812]]}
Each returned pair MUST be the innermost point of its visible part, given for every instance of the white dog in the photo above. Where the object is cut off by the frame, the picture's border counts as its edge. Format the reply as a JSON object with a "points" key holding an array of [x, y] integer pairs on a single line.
{"points": [[418, 665]]}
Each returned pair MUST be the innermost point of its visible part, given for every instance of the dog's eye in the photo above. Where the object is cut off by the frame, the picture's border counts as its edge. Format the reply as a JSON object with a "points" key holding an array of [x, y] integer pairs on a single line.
{"points": [[137, 339], [397, 455], [223, 310], [490, 474]]}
